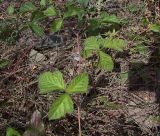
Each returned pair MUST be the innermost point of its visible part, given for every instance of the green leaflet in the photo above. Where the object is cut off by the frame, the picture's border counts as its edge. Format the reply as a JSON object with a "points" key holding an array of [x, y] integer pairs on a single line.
{"points": [[73, 11], [12, 132], [38, 30], [105, 61], [50, 11], [61, 107], [106, 18], [114, 43], [43, 2], [90, 44], [49, 81], [10, 9], [56, 25], [37, 16], [93, 24], [87, 53], [79, 84], [26, 7]]}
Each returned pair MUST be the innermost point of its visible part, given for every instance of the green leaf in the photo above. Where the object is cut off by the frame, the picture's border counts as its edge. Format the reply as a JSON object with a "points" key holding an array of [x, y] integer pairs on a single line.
{"points": [[73, 11], [155, 27], [61, 107], [38, 30], [50, 11], [87, 53], [106, 18], [27, 7], [115, 43], [79, 84], [43, 2], [93, 24], [37, 16], [49, 81], [105, 61], [4, 63], [10, 9], [141, 49], [56, 25], [12, 132], [90, 44]]}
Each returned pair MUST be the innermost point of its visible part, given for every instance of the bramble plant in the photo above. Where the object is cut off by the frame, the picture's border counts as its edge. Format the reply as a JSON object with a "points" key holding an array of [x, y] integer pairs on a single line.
{"points": [[34, 15], [94, 45], [64, 104], [49, 82]]}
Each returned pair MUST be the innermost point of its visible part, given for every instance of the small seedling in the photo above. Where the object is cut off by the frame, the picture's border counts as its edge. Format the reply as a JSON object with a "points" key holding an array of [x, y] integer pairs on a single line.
{"points": [[95, 45], [49, 82]]}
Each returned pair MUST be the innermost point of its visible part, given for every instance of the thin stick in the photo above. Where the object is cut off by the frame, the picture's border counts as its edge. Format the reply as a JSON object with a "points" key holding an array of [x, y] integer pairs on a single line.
{"points": [[79, 121], [78, 71]]}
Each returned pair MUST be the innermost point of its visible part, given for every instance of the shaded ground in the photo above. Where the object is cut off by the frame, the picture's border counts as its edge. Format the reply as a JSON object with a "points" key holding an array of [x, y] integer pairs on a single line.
{"points": [[119, 103]]}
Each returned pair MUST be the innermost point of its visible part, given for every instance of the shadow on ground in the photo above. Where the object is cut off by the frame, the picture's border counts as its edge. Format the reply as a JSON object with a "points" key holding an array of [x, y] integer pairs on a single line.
{"points": [[146, 76]]}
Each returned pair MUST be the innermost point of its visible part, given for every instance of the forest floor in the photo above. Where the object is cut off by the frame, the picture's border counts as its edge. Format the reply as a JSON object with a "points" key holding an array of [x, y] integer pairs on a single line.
{"points": [[124, 102]]}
